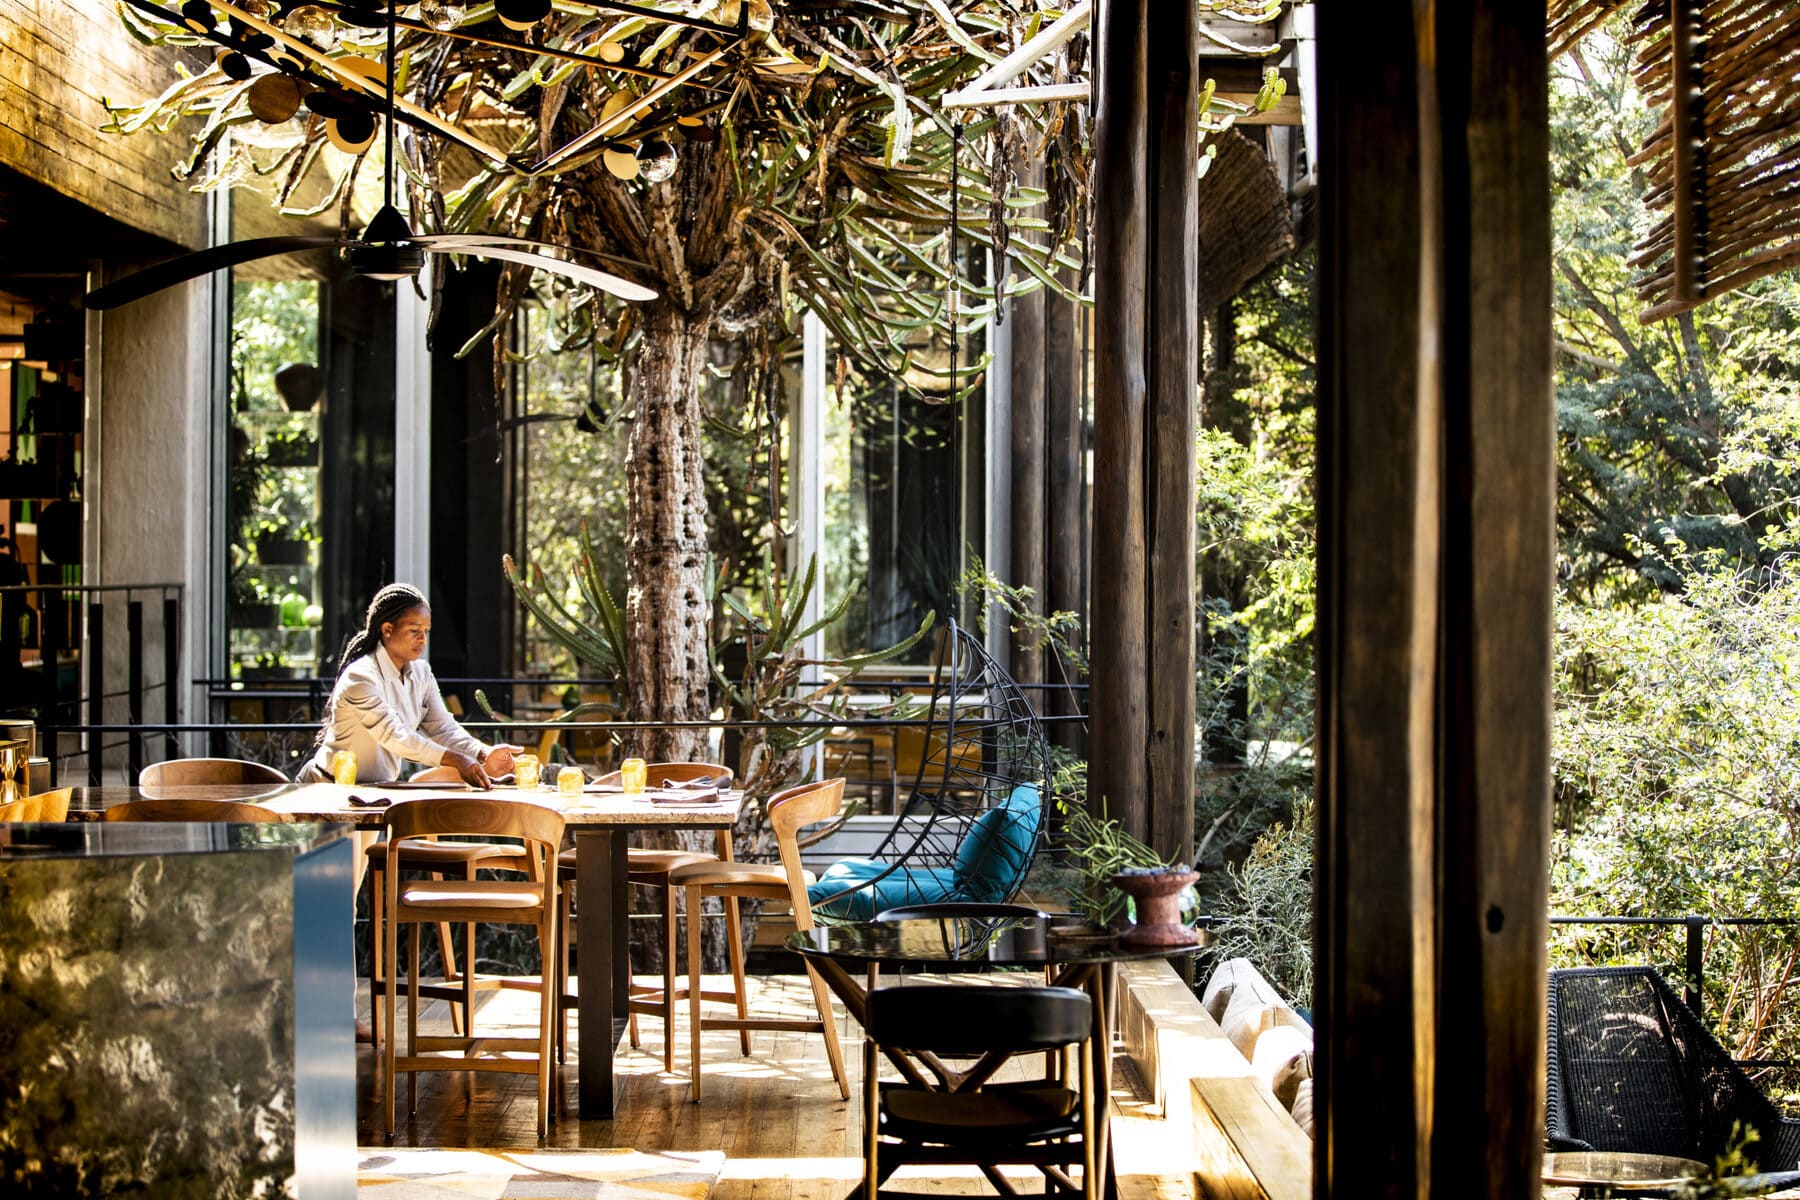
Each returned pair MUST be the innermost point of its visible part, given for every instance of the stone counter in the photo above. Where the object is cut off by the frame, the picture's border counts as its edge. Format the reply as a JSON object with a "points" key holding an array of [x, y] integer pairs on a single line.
{"points": [[176, 1010]]}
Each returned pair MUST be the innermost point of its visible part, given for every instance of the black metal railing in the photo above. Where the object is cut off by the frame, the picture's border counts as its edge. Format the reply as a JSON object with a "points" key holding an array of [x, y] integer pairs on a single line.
{"points": [[72, 619]]}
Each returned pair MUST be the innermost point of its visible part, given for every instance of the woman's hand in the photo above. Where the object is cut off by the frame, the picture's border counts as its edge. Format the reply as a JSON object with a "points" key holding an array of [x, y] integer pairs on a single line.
{"points": [[468, 768], [499, 759]]}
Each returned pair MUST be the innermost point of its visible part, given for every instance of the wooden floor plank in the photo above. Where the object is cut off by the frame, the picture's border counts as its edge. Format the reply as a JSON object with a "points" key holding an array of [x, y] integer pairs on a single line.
{"points": [[775, 1113]]}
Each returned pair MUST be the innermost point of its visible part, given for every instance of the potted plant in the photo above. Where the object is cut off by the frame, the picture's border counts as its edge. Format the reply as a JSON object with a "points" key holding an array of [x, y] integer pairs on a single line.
{"points": [[291, 448], [1114, 868], [278, 545]]}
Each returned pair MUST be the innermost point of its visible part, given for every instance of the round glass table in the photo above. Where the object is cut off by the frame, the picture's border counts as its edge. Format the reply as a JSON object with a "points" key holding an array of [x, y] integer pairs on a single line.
{"points": [[1603, 1172]]}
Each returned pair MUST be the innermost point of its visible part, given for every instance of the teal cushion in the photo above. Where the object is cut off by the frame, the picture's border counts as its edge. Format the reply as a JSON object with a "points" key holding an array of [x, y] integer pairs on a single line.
{"points": [[995, 853], [832, 900]]}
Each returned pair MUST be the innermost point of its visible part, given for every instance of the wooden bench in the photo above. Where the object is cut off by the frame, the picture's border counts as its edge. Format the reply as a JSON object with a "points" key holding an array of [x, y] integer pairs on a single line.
{"points": [[1246, 1145]]}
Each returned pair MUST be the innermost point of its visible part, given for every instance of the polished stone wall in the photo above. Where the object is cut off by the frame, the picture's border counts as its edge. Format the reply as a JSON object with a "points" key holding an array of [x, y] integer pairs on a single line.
{"points": [[147, 1026]]}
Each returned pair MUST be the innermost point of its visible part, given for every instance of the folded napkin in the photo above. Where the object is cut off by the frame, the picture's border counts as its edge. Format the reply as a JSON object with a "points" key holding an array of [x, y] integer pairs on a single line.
{"points": [[685, 794]]}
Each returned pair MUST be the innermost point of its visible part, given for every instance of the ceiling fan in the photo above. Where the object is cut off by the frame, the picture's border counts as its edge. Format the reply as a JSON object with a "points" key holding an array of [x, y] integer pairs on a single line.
{"points": [[387, 248]]}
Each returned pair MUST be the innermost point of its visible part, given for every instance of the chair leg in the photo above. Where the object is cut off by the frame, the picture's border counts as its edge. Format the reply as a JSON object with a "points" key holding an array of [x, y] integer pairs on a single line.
{"points": [[564, 927], [668, 992], [378, 972], [828, 1026], [549, 1003], [734, 949], [390, 953], [412, 1015], [871, 1121], [693, 988]]}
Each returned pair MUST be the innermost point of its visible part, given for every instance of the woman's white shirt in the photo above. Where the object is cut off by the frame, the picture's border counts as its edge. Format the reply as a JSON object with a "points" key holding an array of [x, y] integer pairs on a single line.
{"points": [[387, 716]]}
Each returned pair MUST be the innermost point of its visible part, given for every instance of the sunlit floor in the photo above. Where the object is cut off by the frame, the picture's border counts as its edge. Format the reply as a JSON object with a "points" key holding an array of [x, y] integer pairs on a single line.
{"points": [[776, 1114]]}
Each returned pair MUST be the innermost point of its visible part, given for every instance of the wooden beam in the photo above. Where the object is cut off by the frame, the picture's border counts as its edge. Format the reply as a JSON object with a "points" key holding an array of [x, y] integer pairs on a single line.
{"points": [[1687, 130], [1118, 714], [1173, 380], [1028, 547], [1065, 480], [1498, 563], [1377, 600], [1436, 506]]}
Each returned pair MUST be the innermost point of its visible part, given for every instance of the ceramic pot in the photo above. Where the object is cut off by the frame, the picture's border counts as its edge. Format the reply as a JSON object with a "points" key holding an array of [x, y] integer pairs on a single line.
{"points": [[1158, 901]]}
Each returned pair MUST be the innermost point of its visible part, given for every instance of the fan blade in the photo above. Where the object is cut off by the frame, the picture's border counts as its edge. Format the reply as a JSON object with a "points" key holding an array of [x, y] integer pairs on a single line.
{"points": [[462, 241], [191, 266], [624, 289]]}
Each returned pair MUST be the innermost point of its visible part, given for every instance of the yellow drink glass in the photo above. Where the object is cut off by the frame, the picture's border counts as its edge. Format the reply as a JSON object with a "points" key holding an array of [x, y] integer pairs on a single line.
{"points": [[525, 767], [631, 776], [570, 781], [343, 767]]}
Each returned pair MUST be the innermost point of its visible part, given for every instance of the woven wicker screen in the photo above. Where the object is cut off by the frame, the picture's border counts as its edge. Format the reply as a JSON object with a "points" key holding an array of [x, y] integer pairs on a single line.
{"points": [[1724, 166], [1244, 226]]}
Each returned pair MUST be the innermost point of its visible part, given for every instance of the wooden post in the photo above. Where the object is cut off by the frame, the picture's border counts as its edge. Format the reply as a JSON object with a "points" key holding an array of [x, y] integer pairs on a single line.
{"points": [[1065, 484], [1435, 567], [1174, 353], [1028, 367], [1117, 770], [1498, 563]]}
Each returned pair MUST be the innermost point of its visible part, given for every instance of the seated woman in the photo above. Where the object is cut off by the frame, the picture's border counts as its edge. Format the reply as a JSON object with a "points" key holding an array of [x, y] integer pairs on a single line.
{"points": [[385, 707]]}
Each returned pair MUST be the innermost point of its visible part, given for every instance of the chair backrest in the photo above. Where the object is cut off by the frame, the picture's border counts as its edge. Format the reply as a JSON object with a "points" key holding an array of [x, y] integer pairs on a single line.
{"points": [[45, 806], [791, 810], [178, 771], [1631, 1068], [540, 827], [963, 1020], [978, 812], [206, 811], [675, 772]]}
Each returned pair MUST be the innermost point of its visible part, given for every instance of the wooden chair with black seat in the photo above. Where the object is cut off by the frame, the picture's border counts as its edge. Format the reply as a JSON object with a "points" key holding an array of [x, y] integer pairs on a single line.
{"points": [[1043, 1123], [789, 812], [650, 868], [436, 858], [528, 901]]}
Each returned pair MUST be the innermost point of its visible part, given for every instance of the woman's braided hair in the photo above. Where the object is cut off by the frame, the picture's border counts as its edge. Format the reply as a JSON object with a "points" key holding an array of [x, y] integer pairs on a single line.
{"points": [[389, 603]]}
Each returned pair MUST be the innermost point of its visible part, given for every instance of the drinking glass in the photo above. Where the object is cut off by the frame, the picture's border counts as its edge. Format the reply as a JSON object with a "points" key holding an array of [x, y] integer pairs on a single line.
{"points": [[525, 766], [631, 776], [343, 767], [570, 781]]}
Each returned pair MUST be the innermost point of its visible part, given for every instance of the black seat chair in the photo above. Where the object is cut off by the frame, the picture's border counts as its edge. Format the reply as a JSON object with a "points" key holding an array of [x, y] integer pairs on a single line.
{"points": [[1043, 1123], [1632, 1068], [979, 808]]}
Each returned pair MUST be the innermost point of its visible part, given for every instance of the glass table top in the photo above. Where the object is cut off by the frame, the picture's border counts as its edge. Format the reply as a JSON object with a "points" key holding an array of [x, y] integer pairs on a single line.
{"points": [[975, 943]]}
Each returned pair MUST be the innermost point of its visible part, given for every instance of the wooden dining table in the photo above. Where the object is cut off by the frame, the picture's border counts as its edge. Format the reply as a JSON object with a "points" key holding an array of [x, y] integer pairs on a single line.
{"points": [[601, 820]]}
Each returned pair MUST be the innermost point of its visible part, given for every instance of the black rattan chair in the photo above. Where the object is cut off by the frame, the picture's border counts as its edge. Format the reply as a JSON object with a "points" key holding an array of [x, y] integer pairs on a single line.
{"points": [[978, 811], [1632, 1068]]}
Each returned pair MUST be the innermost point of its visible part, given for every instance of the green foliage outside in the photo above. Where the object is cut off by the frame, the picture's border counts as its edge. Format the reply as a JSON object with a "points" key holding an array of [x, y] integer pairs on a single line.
{"points": [[1678, 619]]}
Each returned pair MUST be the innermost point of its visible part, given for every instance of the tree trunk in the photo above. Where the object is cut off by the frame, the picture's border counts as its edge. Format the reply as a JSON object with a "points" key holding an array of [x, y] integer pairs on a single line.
{"points": [[667, 610]]}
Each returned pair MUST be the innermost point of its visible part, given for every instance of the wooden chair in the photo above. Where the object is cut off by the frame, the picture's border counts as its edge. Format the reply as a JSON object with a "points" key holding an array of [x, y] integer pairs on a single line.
{"points": [[531, 901], [436, 858], [650, 868], [789, 811], [45, 806], [1044, 1123], [201, 771], [229, 812]]}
